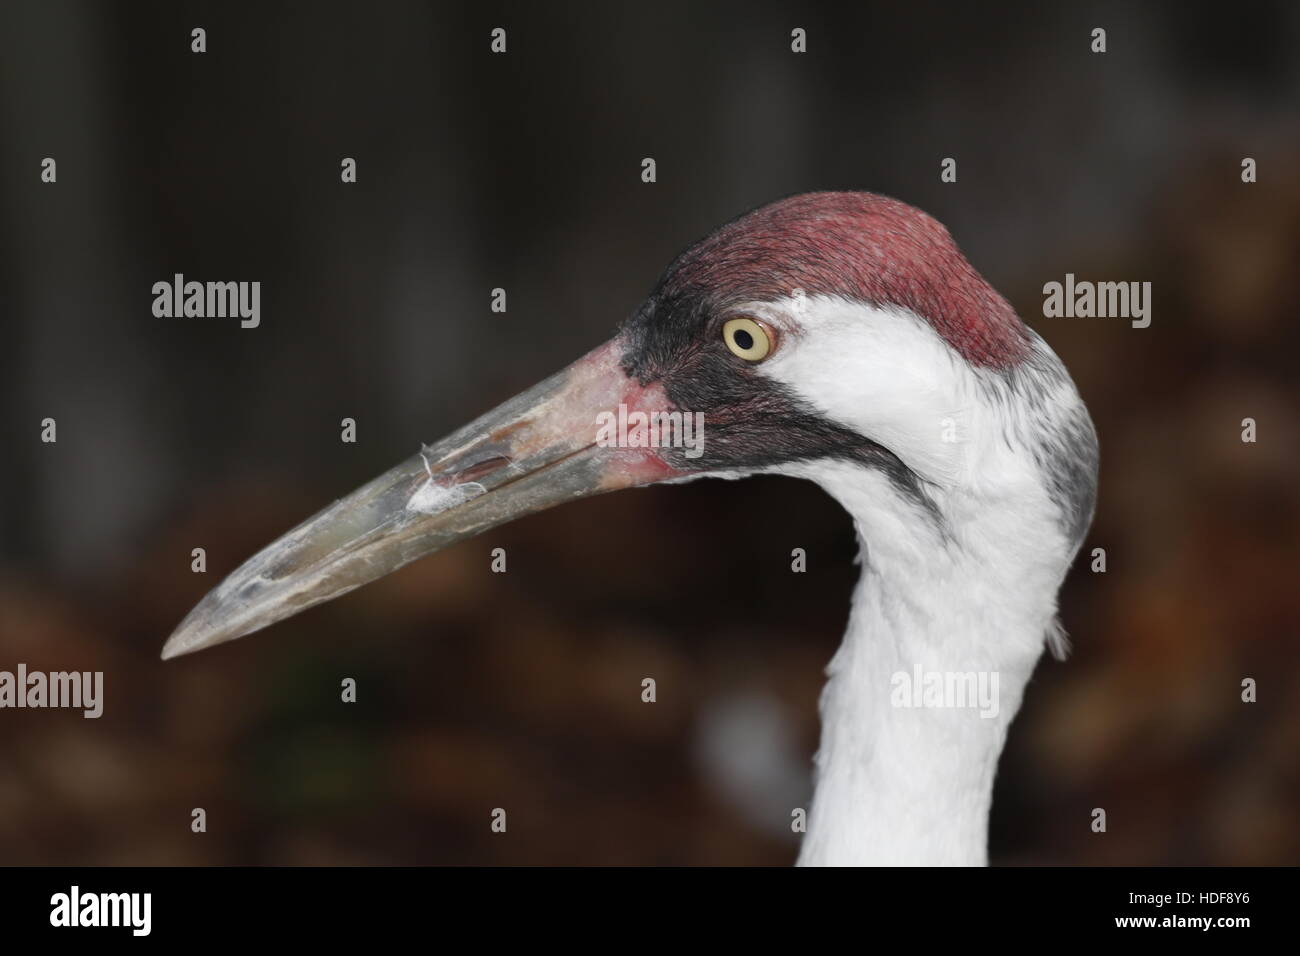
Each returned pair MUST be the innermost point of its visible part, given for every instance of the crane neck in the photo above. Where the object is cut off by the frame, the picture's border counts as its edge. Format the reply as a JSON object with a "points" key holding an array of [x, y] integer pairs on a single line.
{"points": [[942, 638]]}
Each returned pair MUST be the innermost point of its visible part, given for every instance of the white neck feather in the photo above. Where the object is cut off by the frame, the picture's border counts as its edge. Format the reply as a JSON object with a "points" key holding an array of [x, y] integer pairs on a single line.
{"points": [[903, 778]]}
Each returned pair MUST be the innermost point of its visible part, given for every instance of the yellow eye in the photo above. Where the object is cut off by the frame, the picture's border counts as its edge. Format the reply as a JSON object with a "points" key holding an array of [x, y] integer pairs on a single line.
{"points": [[748, 339]]}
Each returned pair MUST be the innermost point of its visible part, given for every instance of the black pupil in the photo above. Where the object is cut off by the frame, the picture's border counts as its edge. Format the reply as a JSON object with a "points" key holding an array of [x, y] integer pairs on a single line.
{"points": [[744, 341]]}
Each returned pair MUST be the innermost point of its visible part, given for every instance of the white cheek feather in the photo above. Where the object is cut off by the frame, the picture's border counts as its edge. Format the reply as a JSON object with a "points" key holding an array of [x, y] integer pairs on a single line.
{"points": [[886, 375]]}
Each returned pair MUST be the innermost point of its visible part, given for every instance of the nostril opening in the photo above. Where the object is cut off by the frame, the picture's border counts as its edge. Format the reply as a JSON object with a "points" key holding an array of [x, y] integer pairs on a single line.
{"points": [[482, 468]]}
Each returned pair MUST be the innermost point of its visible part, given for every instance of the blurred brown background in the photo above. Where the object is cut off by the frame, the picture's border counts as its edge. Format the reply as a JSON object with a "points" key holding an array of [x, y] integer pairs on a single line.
{"points": [[521, 690]]}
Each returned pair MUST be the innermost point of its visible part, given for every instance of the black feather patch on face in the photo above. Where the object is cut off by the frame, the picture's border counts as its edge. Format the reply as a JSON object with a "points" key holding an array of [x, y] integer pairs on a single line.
{"points": [[750, 421]]}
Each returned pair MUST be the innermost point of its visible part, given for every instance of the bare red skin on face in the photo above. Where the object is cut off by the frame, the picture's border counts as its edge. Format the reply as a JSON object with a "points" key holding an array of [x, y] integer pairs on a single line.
{"points": [[640, 466], [862, 247], [596, 384]]}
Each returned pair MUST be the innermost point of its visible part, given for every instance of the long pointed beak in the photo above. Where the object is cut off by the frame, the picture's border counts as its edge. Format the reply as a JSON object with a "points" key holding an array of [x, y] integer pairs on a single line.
{"points": [[537, 450]]}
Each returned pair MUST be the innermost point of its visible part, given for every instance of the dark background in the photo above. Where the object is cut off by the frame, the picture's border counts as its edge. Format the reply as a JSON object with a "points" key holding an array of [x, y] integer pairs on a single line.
{"points": [[481, 690]]}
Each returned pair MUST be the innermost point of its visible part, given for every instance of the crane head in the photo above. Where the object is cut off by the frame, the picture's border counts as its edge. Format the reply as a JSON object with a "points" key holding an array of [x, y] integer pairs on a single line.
{"points": [[840, 337]]}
